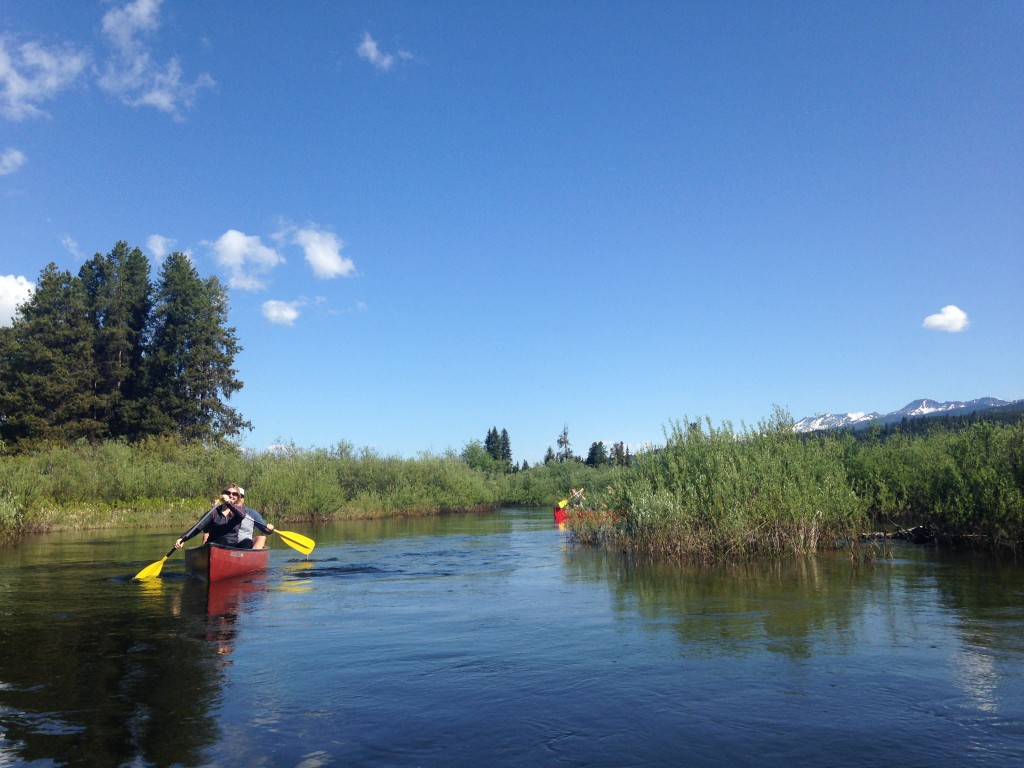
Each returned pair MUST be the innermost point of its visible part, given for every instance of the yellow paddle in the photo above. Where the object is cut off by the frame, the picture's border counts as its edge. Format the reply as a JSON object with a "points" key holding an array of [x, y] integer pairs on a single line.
{"points": [[153, 570], [295, 540]]}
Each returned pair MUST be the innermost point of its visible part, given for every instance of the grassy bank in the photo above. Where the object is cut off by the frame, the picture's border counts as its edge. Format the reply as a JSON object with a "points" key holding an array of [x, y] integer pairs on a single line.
{"points": [[708, 493], [164, 483]]}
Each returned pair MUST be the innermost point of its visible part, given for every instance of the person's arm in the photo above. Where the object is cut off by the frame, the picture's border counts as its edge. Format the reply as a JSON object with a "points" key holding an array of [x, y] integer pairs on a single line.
{"points": [[200, 524], [239, 510], [262, 524]]}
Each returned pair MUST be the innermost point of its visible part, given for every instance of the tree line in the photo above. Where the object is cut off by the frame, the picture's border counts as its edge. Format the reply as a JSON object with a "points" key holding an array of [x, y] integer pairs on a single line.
{"points": [[494, 454], [110, 354], [597, 456]]}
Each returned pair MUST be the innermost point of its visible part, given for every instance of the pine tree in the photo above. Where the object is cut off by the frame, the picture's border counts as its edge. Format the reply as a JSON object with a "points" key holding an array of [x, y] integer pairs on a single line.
{"points": [[120, 303], [492, 444], [506, 450], [564, 446], [618, 457], [189, 372], [597, 456], [47, 372]]}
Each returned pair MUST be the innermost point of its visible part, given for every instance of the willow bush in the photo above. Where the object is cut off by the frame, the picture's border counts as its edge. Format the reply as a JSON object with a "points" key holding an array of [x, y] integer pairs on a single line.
{"points": [[983, 493], [965, 485]]}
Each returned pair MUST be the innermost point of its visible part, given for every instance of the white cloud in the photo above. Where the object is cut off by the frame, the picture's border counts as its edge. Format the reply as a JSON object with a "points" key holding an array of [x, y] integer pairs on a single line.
{"points": [[132, 75], [14, 290], [31, 74], [159, 246], [71, 246], [281, 312], [951, 318], [323, 253], [121, 25], [11, 160], [245, 258], [369, 50]]}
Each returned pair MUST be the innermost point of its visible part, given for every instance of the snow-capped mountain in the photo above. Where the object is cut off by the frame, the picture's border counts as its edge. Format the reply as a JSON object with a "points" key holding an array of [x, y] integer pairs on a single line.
{"points": [[912, 410], [834, 421]]}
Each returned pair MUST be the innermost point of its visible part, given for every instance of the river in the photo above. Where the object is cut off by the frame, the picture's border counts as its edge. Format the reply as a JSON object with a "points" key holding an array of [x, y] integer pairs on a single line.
{"points": [[491, 640]]}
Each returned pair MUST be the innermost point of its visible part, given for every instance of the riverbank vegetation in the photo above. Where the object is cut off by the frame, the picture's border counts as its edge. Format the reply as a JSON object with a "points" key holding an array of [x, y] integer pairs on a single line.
{"points": [[714, 493], [168, 483], [707, 493]]}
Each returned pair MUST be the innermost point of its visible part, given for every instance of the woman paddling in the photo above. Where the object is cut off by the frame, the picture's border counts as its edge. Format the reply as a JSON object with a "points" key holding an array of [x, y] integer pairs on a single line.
{"points": [[230, 523]]}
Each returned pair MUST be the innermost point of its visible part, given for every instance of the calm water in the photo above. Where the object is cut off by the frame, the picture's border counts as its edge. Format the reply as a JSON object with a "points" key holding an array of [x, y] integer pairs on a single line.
{"points": [[491, 641]]}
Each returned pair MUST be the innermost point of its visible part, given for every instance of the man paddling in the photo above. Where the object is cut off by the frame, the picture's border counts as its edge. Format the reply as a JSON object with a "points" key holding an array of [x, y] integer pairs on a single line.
{"points": [[230, 523]]}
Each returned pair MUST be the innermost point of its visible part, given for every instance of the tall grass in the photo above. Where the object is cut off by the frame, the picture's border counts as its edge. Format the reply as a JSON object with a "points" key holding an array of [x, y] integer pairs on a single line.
{"points": [[172, 483], [712, 493]]}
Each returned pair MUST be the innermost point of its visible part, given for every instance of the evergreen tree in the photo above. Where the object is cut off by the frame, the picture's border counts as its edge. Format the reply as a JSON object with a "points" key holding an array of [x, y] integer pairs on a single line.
{"points": [[506, 450], [47, 372], [549, 456], [597, 456], [620, 455], [189, 372], [492, 444], [120, 302], [564, 446]]}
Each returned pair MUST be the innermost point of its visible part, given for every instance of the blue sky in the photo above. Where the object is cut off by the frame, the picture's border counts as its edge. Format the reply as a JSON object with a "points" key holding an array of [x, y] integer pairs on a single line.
{"points": [[439, 217]]}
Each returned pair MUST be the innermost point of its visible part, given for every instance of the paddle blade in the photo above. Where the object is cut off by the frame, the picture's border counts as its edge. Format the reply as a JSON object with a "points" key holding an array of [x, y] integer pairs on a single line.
{"points": [[297, 541], [153, 570]]}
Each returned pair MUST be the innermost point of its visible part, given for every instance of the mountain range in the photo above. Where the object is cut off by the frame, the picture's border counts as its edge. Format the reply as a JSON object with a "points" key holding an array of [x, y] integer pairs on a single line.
{"points": [[915, 409]]}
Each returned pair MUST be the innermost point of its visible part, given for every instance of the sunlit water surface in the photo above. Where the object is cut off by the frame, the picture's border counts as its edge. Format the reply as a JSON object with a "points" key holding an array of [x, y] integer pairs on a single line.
{"points": [[492, 640]]}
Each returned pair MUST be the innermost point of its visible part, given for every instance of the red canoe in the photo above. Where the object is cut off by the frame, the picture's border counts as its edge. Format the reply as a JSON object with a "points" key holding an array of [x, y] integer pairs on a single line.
{"points": [[214, 562], [563, 515]]}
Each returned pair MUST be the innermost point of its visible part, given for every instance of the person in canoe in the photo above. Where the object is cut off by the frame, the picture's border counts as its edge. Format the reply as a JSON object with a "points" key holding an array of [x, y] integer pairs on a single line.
{"points": [[230, 523], [577, 497]]}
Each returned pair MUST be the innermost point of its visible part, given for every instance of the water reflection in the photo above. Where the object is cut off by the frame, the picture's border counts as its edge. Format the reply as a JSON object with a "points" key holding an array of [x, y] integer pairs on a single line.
{"points": [[800, 607], [489, 629], [727, 610], [97, 664], [93, 665], [214, 610]]}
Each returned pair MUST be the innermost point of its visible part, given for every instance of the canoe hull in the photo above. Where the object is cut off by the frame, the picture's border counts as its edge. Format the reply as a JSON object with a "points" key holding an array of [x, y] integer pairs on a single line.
{"points": [[214, 562], [565, 515]]}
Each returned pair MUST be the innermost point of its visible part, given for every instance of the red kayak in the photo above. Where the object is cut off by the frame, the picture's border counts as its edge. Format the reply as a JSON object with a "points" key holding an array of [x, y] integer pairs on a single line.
{"points": [[214, 562]]}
